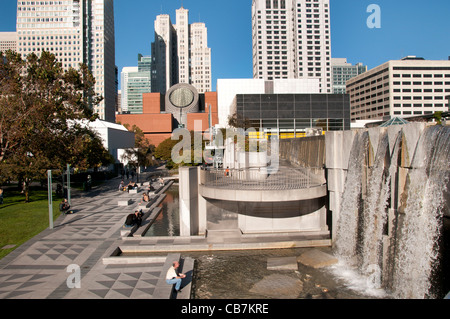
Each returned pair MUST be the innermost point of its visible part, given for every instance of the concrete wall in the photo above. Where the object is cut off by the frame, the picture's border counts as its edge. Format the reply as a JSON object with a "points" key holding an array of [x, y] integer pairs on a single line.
{"points": [[204, 208], [338, 149], [305, 152]]}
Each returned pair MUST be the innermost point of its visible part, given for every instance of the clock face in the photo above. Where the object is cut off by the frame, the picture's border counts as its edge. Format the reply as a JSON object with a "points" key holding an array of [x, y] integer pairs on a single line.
{"points": [[182, 97]]}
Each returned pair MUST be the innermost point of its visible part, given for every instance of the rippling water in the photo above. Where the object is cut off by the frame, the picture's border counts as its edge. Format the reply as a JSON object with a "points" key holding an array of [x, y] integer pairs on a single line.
{"points": [[244, 274]]}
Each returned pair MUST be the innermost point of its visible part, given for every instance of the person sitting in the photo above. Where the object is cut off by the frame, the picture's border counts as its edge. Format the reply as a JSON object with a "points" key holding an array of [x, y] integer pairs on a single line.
{"points": [[64, 207], [121, 186], [131, 185], [145, 198], [174, 277], [134, 219]]}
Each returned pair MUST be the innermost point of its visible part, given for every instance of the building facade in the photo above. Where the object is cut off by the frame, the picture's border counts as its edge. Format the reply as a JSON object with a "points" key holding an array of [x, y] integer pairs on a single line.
{"points": [[342, 72], [180, 54], [135, 81], [182, 106], [227, 89], [292, 40], [400, 88], [295, 115], [75, 31], [8, 41]]}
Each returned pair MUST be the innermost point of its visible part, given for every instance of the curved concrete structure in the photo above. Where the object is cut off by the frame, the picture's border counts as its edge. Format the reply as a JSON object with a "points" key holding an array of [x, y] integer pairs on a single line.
{"points": [[222, 208], [266, 196]]}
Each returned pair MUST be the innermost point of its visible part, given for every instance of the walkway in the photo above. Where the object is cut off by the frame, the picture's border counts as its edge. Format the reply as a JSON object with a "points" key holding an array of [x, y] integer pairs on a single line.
{"points": [[39, 268]]}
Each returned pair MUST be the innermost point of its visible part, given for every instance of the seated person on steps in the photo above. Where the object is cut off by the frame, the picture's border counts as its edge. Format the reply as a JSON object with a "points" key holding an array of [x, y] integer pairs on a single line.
{"points": [[64, 207], [134, 219], [174, 277], [145, 198]]}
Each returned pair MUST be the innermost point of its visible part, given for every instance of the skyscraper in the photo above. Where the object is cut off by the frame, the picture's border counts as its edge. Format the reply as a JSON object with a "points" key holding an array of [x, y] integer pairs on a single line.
{"points": [[135, 82], [342, 72], [292, 40], [75, 31], [180, 53]]}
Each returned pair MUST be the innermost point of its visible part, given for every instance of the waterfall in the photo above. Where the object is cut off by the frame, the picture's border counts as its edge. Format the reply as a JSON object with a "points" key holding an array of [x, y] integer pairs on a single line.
{"points": [[422, 221], [347, 239], [375, 210], [388, 244]]}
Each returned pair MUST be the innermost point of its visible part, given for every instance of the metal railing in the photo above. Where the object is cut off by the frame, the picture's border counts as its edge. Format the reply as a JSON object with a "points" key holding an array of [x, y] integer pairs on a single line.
{"points": [[261, 179]]}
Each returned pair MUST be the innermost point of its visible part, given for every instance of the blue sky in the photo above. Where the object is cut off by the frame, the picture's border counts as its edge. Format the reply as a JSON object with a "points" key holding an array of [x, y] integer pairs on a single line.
{"points": [[408, 27]]}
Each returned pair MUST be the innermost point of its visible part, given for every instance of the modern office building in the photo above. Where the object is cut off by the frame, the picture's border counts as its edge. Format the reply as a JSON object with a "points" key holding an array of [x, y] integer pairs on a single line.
{"points": [[75, 31], [180, 54], [342, 72], [135, 82], [400, 88], [294, 115], [126, 71], [8, 41], [227, 89], [292, 40]]}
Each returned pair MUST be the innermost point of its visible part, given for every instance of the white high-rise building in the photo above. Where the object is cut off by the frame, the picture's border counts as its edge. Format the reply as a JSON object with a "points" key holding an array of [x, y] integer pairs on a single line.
{"points": [[292, 40], [408, 87], [124, 81], [200, 58], [75, 31], [8, 41], [180, 54], [163, 76]]}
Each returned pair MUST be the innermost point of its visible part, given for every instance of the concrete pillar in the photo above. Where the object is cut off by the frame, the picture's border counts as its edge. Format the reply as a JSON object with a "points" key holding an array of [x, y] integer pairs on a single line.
{"points": [[202, 217], [188, 201]]}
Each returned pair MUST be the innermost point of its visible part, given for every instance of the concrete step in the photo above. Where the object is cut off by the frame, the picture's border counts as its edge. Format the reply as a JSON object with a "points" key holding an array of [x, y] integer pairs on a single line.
{"points": [[162, 289], [187, 268]]}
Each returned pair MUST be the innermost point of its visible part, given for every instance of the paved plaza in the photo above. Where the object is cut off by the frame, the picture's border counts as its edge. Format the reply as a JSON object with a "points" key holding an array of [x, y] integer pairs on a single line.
{"points": [[45, 267]]}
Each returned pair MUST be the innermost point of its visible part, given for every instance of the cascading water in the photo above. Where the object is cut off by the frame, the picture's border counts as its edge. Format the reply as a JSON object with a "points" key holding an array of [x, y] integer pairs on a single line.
{"points": [[347, 239], [375, 212], [422, 221], [394, 248]]}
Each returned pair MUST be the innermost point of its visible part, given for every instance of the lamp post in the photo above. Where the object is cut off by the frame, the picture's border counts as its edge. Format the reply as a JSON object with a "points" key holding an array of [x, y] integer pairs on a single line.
{"points": [[50, 199], [68, 185]]}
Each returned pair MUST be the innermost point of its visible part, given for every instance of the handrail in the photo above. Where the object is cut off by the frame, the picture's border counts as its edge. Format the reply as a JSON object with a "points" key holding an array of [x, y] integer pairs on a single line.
{"points": [[260, 179]]}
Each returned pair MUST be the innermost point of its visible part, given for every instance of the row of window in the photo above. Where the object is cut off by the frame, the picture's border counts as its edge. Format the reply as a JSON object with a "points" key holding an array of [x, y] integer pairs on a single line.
{"points": [[41, 3]]}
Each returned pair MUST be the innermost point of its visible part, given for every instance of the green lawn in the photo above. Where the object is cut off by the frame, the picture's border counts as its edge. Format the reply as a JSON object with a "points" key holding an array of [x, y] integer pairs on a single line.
{"points": [[20, 221]]}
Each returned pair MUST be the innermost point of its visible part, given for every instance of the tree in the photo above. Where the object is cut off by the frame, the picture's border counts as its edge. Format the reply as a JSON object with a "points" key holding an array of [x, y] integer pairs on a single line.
{"points": [[164, 151], [43, 111], [237, 120], [142, 153]]}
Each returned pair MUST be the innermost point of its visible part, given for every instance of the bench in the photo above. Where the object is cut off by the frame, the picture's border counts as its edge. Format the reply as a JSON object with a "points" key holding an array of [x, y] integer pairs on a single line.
{"points": [[134, 190], [124, 202]]}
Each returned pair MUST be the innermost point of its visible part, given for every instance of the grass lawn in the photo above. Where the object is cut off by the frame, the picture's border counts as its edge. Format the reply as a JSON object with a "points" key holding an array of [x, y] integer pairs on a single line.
{"points": [[20, 221]]}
